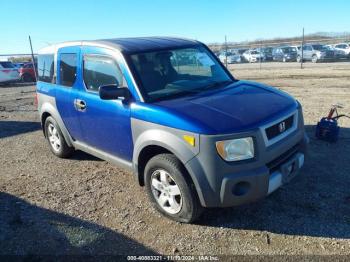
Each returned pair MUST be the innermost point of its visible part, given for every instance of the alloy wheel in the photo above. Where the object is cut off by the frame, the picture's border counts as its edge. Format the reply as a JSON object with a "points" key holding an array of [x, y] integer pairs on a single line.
{"points": [[54, 137], [166, 192]]}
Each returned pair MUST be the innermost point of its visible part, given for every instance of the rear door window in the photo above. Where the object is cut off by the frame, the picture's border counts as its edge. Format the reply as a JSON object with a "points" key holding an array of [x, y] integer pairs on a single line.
{"points": [[45, 68], [307, 48], [68, 69], [101, 70]]}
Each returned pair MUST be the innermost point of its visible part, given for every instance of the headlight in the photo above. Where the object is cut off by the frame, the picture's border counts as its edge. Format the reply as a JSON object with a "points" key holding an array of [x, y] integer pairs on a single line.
{"points": [[236, 149]]}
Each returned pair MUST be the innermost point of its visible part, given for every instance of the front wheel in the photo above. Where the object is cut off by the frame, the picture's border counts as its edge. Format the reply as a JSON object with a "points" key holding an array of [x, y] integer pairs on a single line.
{"points": [[298, 59], [170, 189], [314, 59]]}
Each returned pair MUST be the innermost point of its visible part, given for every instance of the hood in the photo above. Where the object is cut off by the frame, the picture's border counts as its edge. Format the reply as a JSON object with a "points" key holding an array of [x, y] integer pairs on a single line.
{"points": [[239, 107]]}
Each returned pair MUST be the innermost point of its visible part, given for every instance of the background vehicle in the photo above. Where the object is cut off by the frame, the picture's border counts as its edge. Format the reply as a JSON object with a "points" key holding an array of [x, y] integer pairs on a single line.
{"points": [[298, 47], [267, 53], [338, 54], [18, 65], [253, 56], [343, 49], [8, 73], [315, 53], [26, 73], [285, 54], [231, 57]]}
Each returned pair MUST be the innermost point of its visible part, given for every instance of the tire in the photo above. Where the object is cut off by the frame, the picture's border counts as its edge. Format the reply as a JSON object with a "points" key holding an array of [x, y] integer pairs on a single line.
{"points": [[167, 182], [298, 59], [284, 60], [55, 138], [314, 59]]}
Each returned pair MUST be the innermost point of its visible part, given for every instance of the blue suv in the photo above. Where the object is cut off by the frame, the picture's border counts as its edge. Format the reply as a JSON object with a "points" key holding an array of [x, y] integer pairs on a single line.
{"points": [[170, 112]]}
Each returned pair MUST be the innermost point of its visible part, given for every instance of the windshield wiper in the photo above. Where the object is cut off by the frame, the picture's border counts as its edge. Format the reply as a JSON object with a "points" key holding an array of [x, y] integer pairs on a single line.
{"points": [[193, 91]]}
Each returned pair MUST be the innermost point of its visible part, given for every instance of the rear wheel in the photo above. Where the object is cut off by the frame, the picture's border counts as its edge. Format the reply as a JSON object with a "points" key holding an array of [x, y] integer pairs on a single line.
{"points": [[170, 189], [314, 59], [284, 60], [298, 59], [55, 138]]}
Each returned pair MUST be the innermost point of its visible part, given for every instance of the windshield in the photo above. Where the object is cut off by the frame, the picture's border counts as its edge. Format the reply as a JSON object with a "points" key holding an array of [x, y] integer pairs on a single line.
{"points": [[267, 50], [289, 49], [171, 73]]}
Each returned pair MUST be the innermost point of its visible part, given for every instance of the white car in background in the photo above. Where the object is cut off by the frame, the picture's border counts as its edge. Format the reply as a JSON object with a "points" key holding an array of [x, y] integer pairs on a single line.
{"points": [[297, 47], [343, 48], [232, 58], [8, 72], [253, 56]]}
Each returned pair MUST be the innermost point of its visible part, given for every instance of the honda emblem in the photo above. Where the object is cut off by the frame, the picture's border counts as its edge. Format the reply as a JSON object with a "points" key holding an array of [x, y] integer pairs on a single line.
{"points": [[282, 127]]}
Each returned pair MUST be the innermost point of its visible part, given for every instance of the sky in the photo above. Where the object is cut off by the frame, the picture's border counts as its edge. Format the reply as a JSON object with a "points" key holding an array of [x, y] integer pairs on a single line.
{"points": [[49, 21]]}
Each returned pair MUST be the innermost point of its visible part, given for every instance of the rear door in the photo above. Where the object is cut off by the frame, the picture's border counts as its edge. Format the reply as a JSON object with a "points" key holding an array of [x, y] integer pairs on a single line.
{"points": [[307, 52], [68, 84], [279, 54]]}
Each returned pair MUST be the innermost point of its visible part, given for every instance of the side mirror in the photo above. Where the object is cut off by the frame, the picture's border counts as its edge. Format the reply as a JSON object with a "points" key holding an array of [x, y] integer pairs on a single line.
{"points": [[112, 92]]}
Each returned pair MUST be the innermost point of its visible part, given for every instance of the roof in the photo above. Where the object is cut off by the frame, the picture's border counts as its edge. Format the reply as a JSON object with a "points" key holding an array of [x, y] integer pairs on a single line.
{"points": [[130, 45]]}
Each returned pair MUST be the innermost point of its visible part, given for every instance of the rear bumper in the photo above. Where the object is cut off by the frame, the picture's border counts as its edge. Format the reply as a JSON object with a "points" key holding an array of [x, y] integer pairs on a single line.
{"points": [[9, 81]]}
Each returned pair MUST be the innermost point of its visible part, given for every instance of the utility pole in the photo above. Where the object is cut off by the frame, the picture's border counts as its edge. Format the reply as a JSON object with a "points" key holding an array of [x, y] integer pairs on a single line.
{"points": [[260, 54], [33, 60], [302, 51], [225, 51]]}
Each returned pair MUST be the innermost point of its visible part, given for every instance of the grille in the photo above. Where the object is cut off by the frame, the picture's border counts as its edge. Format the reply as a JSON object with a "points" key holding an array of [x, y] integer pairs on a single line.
{"points": [[274, 131], [276, 163]]}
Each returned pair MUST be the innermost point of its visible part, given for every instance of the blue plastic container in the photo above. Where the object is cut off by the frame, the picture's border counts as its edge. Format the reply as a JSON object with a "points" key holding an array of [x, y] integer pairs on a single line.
{"points": [[328, 130]]}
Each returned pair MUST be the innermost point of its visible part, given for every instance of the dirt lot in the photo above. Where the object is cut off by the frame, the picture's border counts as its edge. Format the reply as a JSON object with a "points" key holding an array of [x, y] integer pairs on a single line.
{"points": [[87, 206]]}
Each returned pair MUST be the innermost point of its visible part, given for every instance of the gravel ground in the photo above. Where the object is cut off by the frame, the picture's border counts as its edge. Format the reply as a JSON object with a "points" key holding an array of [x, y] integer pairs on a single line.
{"points": [[85, 205]]}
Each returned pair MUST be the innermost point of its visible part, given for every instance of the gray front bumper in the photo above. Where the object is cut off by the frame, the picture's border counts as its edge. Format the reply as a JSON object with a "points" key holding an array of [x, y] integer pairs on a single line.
{"points": [[222, 184], [278, 178]]}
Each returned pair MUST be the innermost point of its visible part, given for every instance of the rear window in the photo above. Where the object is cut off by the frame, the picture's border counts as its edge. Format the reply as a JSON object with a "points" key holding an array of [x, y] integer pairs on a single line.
{"points": [[68, 69], [7, 65], [46, 68]]}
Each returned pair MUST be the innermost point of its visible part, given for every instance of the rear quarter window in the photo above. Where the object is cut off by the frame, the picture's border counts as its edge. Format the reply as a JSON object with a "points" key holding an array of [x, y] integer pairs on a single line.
{"points": [[46, 68]]}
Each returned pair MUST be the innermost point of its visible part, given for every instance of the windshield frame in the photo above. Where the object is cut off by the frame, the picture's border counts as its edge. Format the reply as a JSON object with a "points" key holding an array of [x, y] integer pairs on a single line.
{"points": [[137, 79]]}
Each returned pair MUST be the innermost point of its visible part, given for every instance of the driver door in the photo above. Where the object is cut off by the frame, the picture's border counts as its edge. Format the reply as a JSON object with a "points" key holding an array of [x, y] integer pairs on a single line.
{"points": [[105, 124]]}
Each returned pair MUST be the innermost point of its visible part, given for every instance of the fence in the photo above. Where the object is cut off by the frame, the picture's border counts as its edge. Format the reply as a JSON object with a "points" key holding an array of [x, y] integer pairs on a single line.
{"points": [[239, 48]]}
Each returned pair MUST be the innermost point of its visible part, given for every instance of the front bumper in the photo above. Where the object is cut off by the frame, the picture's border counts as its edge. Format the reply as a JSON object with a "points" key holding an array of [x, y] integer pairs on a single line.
{"points": [[291, 58], [224, 184], [256, 184]]}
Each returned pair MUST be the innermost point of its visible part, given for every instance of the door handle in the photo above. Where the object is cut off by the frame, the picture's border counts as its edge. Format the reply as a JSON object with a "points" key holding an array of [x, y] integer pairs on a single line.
{"points": [[80, 105]]}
